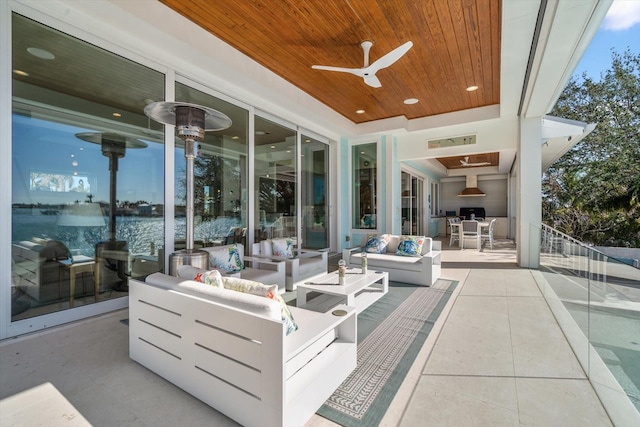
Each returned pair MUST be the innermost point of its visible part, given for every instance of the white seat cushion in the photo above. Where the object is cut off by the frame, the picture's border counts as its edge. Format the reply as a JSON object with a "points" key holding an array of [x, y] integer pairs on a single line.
{"points": [[253, 303], [265, 248], [389, 262], [267, 277]]}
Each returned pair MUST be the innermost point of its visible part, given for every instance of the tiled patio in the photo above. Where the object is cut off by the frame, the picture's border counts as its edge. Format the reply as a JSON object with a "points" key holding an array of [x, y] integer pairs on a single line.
{"points": [[496, 357]]}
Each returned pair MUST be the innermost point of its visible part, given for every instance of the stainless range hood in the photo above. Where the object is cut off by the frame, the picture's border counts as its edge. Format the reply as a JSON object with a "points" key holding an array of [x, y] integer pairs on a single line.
{"points": [[471, 189]]}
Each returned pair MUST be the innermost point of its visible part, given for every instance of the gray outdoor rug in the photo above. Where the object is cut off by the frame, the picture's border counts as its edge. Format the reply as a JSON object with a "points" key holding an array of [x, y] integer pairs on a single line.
{"points": [[390, 334]]}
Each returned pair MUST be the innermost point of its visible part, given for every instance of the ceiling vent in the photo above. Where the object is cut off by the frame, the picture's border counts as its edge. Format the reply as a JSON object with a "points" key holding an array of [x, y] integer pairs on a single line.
{"points": [[452, 142], [471, 189]]}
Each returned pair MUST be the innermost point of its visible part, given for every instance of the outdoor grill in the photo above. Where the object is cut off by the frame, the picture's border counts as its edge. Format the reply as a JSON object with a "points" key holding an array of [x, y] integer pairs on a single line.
{"points": [[478, 212]]}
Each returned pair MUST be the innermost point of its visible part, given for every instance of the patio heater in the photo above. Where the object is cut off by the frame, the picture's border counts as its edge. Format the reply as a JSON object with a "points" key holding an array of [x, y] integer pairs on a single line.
{"points": [[191, 122], [113, 253]]}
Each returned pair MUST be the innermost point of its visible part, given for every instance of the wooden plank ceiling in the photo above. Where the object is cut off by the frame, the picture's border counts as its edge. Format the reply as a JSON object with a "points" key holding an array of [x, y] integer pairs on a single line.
{"points": [[471, 161], [456, 44]]}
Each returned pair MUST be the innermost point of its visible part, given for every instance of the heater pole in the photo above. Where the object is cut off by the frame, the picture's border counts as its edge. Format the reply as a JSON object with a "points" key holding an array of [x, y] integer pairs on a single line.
{"points": [[191, 122], [113, 184], [189, 154]]}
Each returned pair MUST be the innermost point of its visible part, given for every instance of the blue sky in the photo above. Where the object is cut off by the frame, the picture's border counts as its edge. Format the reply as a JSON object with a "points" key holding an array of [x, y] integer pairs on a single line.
{"points": [[619, 30]]}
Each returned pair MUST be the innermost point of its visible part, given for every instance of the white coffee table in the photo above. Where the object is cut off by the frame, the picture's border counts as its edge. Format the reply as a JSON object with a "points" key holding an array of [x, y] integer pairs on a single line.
{"points": [[359, 291]]}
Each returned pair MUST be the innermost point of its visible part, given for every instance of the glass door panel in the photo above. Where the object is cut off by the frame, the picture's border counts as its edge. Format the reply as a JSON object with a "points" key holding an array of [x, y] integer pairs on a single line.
{"points": [[275, 181], [314, 196], [412, 204], [364, 159], [418, 218], [220, 171], [87, 186]]}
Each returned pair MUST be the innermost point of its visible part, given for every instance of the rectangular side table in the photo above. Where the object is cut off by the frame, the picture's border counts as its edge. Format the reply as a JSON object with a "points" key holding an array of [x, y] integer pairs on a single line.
{"points": [[79, 267]]}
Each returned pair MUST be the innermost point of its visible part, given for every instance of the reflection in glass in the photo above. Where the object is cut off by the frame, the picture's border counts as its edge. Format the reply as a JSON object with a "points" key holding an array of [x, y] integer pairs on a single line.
{"points": [[412, 204], [364, 157], [314, 193], [275, 181], [112, 255], [220, 169], [64, 198]]}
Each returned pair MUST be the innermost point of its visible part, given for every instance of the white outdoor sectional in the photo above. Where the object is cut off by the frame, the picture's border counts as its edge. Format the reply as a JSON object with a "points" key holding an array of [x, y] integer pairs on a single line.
{"points": [[422, 269], [230, 349]]}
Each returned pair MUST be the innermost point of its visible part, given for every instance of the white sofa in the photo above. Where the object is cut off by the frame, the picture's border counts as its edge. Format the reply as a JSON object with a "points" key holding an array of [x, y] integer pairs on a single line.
{"points": [[422, 270], [304, 264], [230, 350]]}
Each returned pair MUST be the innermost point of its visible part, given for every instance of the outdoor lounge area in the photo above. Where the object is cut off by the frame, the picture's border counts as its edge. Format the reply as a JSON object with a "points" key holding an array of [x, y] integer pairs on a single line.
{"points": [[272, 140], [505, 374]]}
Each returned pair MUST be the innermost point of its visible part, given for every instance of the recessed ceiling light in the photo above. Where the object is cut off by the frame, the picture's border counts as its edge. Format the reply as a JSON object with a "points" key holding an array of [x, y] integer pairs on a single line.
{"points": [[260, 132], [40, 53], [410, 101], [472, 88], [360, 111], [273, 146], [235, 137], [116, 114], [20, 73]]}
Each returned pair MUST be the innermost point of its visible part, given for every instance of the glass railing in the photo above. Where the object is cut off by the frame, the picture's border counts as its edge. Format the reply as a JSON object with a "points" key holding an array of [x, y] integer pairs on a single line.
{"points": [[596, 300]]}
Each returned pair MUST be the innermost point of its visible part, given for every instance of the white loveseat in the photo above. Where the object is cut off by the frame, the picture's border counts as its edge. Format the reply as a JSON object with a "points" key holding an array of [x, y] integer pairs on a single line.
{"points": [[300, 264], [419, 270], [230, 349]]}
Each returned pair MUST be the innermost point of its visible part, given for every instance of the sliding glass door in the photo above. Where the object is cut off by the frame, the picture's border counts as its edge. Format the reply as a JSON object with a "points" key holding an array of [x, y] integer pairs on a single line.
{"points": [[412, 205], [220, 171], [87, 187], [314, 194], [275, 180]]}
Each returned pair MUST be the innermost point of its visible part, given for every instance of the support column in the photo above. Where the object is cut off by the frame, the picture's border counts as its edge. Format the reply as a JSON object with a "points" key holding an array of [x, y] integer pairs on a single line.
{"points": [[529, 194]]}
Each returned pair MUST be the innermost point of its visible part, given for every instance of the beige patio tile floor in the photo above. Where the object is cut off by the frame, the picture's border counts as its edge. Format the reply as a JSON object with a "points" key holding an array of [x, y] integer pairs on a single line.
{"points": [[495, 357]]}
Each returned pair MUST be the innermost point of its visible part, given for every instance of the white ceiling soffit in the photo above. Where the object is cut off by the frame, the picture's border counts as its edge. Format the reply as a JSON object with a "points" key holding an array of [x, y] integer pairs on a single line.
{"points": [[559, 135], [565, 33]]}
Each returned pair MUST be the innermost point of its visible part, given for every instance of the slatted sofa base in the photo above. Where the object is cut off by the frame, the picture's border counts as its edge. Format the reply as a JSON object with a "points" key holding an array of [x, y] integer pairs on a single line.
{"points": [[239, 362]]}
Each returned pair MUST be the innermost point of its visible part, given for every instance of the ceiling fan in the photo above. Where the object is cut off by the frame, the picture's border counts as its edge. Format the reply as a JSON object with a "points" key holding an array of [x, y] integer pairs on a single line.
{"points": [[368, 72], [466, 163]]}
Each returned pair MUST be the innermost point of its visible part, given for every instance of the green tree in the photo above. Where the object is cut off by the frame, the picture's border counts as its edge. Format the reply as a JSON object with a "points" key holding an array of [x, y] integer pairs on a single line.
{"points": [[221, 177], [592, 193]]}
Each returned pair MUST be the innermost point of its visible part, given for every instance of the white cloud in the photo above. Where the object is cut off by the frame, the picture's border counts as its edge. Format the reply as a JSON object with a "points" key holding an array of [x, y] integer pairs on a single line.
{"points": [[622, 15]]}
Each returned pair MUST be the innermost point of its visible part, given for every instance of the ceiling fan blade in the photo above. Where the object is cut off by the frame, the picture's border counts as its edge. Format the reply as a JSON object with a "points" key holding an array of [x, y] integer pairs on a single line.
{"points": [[368, 73], [356, 71], [372, 80], [389, 58], [475, 164]]}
